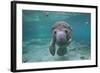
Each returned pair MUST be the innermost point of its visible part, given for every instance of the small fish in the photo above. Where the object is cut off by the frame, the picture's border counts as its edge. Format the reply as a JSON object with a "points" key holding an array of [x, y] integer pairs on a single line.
{"points": [[46, 13]]}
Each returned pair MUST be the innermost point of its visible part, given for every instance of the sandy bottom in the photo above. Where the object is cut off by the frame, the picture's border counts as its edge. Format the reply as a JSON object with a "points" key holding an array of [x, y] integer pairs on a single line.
{"points": [[37, 50]]}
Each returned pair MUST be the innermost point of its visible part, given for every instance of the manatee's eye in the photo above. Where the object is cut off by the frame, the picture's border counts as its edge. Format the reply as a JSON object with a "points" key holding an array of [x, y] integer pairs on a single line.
{"points": [[66, 31], [54, 32]]}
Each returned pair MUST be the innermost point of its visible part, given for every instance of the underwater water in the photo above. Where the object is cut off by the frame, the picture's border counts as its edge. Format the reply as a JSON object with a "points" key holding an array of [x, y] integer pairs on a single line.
{"points": [[37, 32]]}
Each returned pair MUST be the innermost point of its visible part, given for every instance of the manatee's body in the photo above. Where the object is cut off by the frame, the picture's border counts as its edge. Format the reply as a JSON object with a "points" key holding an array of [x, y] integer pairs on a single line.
{"points": [[61, 36]]}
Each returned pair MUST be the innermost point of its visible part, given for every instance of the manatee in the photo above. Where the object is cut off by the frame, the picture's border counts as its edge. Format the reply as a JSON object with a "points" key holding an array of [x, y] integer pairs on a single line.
{"points": [[61, 37]]}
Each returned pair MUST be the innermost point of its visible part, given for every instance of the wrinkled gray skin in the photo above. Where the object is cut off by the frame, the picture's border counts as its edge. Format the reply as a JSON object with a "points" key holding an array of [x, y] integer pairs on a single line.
{"points": [[61, 36]]}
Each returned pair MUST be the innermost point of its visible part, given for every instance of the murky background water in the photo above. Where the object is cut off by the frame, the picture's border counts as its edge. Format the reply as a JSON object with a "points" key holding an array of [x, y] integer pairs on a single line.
{"points": [[37, 33]]}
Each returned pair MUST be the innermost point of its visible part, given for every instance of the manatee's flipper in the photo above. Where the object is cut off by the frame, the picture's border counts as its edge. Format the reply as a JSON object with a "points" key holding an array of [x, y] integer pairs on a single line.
{"points": [[52, 47], [61, 51], [52, 50]]}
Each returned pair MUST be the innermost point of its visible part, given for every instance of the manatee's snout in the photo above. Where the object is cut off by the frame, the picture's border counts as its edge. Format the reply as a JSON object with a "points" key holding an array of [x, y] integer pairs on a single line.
{"points": [[61, 36]]}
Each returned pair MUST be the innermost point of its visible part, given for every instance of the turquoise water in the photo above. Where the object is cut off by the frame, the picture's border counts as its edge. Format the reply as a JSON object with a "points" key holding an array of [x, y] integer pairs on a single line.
{"points": [[37, 33]]}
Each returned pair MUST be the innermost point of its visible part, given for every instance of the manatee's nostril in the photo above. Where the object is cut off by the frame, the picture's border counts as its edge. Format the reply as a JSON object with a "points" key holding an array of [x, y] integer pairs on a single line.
{"points": [[62, 38]]}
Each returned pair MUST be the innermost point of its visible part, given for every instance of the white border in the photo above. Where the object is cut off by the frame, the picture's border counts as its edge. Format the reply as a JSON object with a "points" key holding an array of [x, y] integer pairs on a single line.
{"points": [[21, 65]]}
